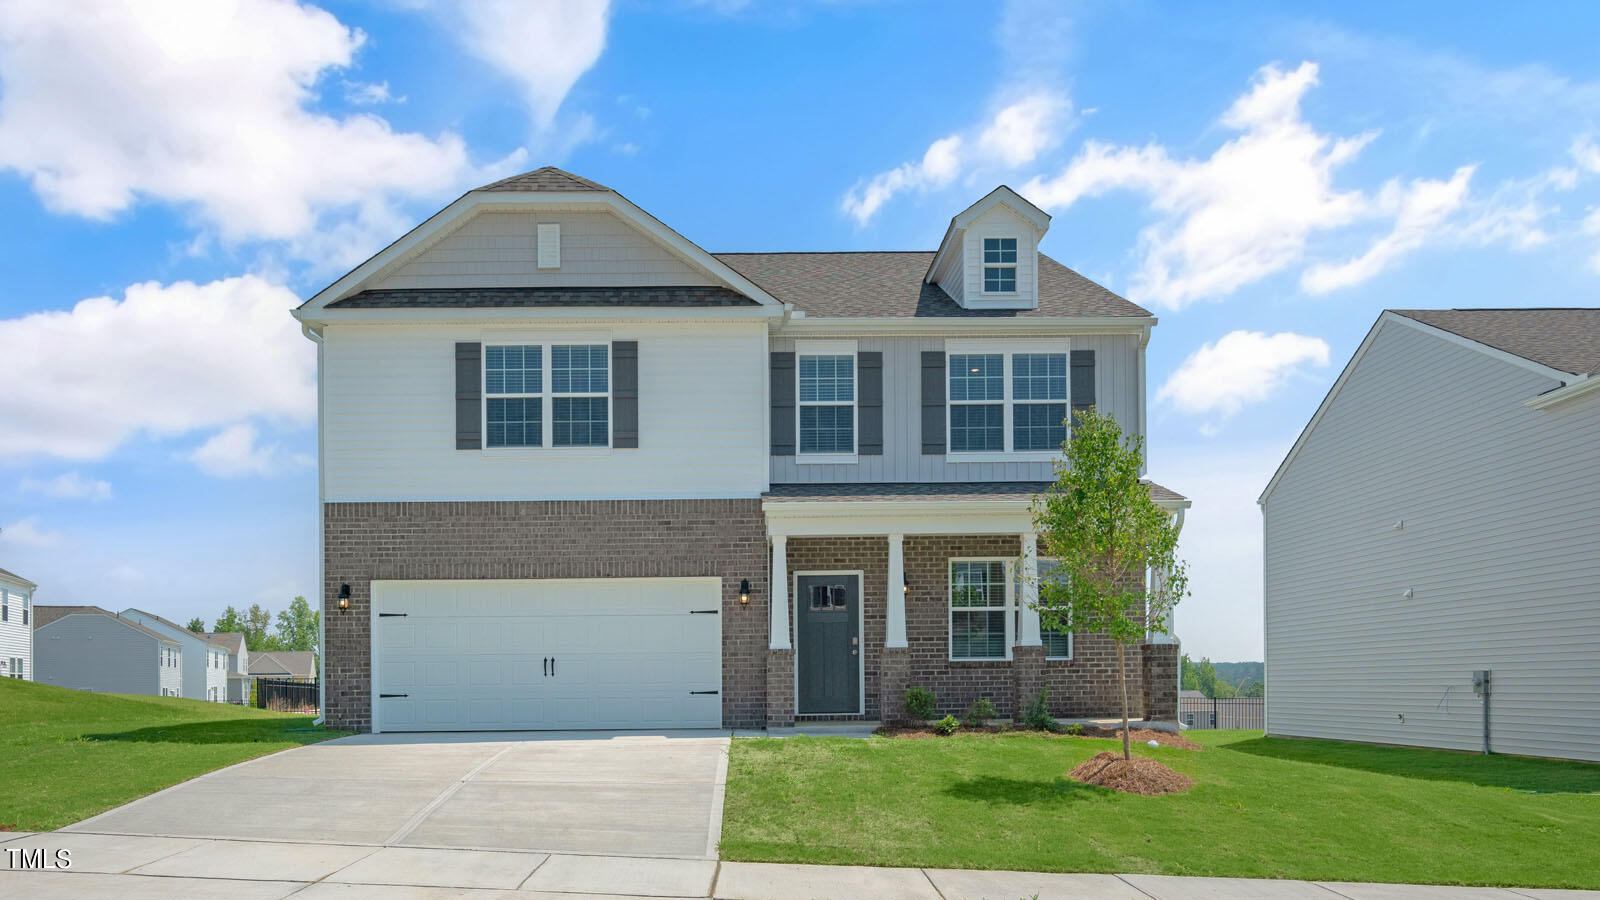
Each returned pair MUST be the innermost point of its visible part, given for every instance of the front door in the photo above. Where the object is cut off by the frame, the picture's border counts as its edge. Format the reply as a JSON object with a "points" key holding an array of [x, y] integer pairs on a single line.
{"points": [[828, 631]]}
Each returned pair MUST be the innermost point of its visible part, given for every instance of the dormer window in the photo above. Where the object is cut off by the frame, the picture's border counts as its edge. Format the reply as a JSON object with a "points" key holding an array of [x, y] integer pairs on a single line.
{"points": [[1000, 265]]}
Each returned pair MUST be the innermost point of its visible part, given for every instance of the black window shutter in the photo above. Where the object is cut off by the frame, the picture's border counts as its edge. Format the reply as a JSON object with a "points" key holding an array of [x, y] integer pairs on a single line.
{"points": [[469, 396], [624, 393], [933, 411], [869, 403], [782, 404], [1082, 380]]}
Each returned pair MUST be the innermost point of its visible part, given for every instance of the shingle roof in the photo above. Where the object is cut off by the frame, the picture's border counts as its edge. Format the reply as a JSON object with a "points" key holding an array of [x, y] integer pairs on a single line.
{"points": [[464, 298], [302, 663], [232, 640], [548, 178], [922, 490], [889, 284], [16, 578], [1561, 338], [44, 615]]}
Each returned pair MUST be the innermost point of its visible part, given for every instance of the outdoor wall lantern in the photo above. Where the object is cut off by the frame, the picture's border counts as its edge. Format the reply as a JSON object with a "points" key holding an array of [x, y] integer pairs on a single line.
{"points": [[906, 587], [344, 596], [744, 591]]}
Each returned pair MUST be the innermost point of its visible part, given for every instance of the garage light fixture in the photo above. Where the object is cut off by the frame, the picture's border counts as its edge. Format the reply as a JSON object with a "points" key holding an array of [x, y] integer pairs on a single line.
{"points": [[344, 597], [744, 591], [906, 587]]}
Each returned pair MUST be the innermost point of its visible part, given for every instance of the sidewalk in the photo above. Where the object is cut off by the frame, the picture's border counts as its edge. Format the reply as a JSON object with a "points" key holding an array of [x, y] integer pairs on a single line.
{"points": [[129, 867]]}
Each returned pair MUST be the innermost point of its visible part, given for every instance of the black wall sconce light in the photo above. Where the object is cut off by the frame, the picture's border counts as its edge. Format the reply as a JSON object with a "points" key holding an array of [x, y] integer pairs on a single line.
{"points": [[744, 591], [906, 587], [344, 596]]}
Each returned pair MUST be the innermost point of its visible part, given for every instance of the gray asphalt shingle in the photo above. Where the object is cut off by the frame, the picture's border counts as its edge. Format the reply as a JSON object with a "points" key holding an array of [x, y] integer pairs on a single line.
{"points": [[1565, 338]]}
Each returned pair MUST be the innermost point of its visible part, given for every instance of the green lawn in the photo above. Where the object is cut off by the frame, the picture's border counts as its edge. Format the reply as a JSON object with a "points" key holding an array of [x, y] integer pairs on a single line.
{"points": [[1261, 808], [69, 754]]}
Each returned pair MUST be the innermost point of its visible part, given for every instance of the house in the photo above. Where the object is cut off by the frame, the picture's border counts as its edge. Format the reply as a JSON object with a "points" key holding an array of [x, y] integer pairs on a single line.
{"points": [[290, 665], [577, 472], [235, 662], [1437, 519], [91, 649], [16, 631], [205, 665]]}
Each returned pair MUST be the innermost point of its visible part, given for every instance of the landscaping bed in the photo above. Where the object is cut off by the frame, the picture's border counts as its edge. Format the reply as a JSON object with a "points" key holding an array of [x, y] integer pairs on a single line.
{"points": [[1136, 735]]}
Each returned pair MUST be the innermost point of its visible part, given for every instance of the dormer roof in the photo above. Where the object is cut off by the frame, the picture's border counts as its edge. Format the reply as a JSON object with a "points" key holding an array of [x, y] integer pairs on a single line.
{"points": [[962, 220]]}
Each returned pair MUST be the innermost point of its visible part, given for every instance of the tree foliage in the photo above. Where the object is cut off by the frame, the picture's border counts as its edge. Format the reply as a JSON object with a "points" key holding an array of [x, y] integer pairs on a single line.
{"points": [[294, 628], [1098, 522], [197, 625], [1212, 679]]}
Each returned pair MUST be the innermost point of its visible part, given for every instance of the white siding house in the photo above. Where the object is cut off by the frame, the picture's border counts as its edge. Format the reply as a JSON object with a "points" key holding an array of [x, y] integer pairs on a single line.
{"points": [[203, 677], [1440, 515], [91, 649], [16, 627]]}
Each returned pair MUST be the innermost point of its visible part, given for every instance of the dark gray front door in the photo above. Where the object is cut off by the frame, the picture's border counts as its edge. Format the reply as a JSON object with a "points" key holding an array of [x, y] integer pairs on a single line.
{"points": [[828, 628]]}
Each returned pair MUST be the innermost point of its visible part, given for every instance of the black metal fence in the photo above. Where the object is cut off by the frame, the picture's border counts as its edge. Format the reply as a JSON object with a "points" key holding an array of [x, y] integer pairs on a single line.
{"points": [[284, 695], [1238, 712]]}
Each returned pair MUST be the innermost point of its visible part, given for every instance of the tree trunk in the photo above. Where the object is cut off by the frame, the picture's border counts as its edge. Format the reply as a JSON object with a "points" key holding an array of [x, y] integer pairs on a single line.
{"points": [[1122, 678]]}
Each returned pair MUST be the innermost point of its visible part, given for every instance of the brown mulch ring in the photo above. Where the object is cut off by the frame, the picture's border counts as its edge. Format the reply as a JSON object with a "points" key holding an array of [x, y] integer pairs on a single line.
{"points": [[1140, 775], [1137, 736], [1145, 735]]}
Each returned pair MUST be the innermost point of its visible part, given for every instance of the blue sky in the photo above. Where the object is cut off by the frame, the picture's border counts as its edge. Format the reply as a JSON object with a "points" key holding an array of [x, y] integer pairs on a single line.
{"points": [[174, 180]]}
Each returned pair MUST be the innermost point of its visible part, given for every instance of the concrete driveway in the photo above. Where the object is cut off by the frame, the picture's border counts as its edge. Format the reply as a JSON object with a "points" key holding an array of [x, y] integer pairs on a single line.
{"points": [[634, 794]]}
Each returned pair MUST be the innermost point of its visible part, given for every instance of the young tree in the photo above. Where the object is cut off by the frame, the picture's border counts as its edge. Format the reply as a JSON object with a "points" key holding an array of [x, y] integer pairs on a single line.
{"points": [[229, 622], [297, 626], [1105, 533], [196, 625]]}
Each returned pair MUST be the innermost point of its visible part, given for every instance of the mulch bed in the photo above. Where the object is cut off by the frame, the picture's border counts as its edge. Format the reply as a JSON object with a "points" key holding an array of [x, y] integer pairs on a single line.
{"points": [[1144, 736], [1140, 775], [1137, 736]]}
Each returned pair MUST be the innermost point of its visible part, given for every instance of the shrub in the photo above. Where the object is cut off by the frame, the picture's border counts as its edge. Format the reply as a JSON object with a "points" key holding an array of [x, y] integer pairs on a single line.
{"points": [[979, 713], [1075, 729], [1037, 713], [919, 703], [946, 726]]}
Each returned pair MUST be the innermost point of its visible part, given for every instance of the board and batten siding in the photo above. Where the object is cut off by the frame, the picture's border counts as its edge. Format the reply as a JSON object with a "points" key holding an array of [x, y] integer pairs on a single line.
{"points": [[93, 652], [1499, 506], [1116, 363], [495, 249], [16, 636], [389, 417]]}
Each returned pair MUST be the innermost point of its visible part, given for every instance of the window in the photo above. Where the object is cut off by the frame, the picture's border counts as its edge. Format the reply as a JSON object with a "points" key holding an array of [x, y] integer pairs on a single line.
{"points": [[826, 399], [1057, 642], [527, 386], [980, 607], [1007, 398], [999, 265]]}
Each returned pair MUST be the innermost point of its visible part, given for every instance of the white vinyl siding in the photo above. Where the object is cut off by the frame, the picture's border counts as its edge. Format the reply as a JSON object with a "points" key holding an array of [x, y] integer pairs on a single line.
{"points": [[16, 635], [1003, 223], [1496, 504], [197, 676]]}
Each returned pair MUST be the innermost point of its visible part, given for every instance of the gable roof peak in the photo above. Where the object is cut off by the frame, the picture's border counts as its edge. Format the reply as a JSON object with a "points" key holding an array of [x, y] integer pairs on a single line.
{"points": [[546, 178]]}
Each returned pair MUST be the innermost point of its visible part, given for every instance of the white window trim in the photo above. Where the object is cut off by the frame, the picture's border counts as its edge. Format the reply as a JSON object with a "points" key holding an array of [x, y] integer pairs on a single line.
{"points": [[950, 607], [547, 397], [983, 266], [1043, 630], [829, 348], [1006, 349]]}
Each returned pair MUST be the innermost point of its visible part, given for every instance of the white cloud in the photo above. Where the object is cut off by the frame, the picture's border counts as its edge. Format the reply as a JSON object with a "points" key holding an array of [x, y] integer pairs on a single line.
{"points": [[163, 360], [369, 93], [207, 106], [1241, 214], [67, 486], [233, 453], [1241, 368], [27, 533], [1020, 132], [1418, 211], [937, 167], [1591, 227]]}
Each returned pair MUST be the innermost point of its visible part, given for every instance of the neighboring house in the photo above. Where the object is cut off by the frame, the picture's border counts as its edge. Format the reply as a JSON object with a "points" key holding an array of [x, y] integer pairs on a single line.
{"points": [[577, 472], [1438, 517], [205, 668], [235, 663], [91, 649], [16, 627], [290, 665]]}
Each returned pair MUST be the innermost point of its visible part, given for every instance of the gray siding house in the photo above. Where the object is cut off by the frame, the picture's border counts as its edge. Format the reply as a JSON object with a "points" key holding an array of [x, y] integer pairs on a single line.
{"points": [[205, 671], [1439, 517], [577, 472], [16, 628], [87, 648]]}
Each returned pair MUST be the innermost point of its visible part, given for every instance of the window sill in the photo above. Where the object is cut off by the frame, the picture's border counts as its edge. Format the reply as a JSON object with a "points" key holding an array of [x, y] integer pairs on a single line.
{"points": [[980, 659], [538, 452], [826, 459], [1024, 456]]}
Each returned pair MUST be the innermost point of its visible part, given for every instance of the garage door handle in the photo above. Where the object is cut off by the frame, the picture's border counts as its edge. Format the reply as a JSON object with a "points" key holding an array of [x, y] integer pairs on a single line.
{"points": [[702, 692], [391, 615], [702, 612], [380, 696]]}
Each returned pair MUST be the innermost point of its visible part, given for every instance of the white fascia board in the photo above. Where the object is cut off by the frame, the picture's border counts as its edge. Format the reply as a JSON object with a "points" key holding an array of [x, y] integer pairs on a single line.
{"points": [[18, 580], [525, 313], [802, 518], [964, 325], [1578, 387]]}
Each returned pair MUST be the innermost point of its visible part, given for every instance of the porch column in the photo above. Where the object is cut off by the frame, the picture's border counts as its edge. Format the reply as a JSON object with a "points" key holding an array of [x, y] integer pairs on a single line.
{"points": [[778, 636], [895, 619], [1029, 599]]}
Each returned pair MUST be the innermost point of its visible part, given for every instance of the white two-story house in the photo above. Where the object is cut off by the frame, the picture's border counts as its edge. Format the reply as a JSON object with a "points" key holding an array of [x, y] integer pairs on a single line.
{"points": [[16, 629], [578, 472], [205, 664]]}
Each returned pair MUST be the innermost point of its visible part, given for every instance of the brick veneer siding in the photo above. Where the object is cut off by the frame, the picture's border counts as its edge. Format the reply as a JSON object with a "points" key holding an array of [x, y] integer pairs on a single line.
{"points": [[1160, 681], [871, 556], [553, 539]]}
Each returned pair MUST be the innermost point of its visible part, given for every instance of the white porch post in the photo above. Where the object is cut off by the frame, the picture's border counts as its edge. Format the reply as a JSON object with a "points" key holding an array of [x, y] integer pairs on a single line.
{"points": [[1030, 592], [895, 622], [778, 638]]}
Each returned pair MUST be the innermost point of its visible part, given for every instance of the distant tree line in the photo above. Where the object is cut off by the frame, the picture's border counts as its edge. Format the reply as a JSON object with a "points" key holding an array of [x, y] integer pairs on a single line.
{"points": [[296, 627], [1224, 680]]}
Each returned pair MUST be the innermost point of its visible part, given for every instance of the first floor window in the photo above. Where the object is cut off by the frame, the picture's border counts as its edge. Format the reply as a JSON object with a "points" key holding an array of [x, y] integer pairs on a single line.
{"points": [[979, 609], [1057, 641]]}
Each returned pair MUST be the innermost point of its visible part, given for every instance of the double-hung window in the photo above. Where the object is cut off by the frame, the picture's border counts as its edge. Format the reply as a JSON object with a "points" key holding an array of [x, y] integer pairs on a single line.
{"points": [[981, 609], [1007, 401], [1000, 265], [546, 395], [1057, 641], [825, 401]]}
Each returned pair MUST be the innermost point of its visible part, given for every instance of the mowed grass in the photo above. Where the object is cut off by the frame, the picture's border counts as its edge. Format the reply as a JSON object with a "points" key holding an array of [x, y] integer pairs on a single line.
{"points": [[1261, 808], [70, 754]]}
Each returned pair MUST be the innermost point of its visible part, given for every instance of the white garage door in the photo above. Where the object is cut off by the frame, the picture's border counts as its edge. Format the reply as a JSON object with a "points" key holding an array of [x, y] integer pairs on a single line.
{"points": [[522, 655]]}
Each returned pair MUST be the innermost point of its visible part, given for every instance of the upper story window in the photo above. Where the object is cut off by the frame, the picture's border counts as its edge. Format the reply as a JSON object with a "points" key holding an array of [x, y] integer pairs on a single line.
{"points": [[1007, 400], [546, 395], [825, 400], [1000, 265]]}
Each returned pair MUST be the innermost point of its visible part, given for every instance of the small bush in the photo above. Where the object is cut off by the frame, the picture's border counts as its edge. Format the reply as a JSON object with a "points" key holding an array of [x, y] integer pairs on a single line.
{"points": [[946, 726], [919, 703], [1075, 729], [1037, 714], [979, 713]]}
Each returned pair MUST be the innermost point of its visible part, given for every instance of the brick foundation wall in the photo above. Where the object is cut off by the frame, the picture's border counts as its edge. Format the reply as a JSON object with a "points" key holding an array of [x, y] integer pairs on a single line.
{"points": [[556, 539], [1160, 663]]}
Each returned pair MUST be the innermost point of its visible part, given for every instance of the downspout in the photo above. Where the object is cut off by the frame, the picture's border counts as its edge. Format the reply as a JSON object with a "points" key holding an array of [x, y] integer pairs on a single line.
{"points": [[322, 590]]}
